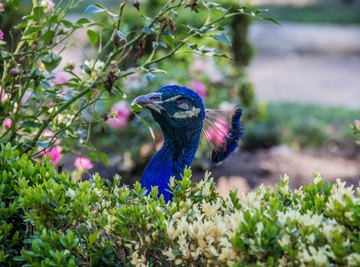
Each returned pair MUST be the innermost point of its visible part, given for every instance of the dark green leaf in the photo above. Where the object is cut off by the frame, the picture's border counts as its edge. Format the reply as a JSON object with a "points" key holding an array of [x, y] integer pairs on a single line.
{"points": [[272, 20], [51, 61], [49, 35]]}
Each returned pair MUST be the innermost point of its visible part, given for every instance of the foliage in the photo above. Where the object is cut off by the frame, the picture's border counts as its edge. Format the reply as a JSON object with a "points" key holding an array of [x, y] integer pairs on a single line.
{"points": [[91, 223], [48, 106]]}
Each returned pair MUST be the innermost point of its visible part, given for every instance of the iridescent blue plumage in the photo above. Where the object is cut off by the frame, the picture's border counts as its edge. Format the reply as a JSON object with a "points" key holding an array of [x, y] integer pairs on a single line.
{"points": [[181, 114]]}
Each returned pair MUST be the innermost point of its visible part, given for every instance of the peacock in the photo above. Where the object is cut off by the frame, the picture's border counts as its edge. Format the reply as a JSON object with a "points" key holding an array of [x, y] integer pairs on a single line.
{"points": [[182, 118]]}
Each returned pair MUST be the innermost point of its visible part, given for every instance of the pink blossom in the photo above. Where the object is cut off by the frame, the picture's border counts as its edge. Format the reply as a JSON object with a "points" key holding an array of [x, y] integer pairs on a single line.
{"points": [[216, 78], [47, 133], [3, 96], [7, 123], [2, 8], [1, 35], [122, 113], [197, 66], [213, 72], [198, 87], [55, 154], [61, 77], [83, 163]]}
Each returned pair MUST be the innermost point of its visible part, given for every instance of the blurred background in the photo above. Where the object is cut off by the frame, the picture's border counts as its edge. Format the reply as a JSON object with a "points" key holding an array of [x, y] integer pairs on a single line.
{"points": [[298, 83]]}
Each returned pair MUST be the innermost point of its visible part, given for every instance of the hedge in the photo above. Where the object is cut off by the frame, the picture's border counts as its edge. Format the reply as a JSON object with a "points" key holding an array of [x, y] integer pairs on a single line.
{"points": [[48, 219]]}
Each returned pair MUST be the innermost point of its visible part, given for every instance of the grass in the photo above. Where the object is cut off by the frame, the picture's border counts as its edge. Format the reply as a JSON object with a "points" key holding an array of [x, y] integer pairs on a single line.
{"points": [[322, 12], [301, 126]]}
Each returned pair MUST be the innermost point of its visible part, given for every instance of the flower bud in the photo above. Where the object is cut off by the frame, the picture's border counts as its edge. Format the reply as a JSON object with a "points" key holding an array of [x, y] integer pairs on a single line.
{"points": [[13, 72]]}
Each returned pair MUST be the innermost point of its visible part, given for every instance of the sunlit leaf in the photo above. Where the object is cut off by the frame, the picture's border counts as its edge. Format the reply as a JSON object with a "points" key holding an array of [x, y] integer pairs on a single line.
{"points": [[93, 37]]}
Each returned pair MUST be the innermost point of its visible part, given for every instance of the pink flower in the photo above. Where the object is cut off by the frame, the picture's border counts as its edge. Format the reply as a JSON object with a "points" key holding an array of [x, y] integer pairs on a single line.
{"points": [[3, 96], [7, 123], [47, 133], [83, 163], [198, 87], [197, 66], [121, 114], [216, 78], [61, 77], [55, 154], [2, 8], [1, 35]]}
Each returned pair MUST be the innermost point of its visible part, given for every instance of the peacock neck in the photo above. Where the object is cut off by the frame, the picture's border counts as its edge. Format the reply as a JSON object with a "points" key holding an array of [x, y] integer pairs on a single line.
{"points": [[175, 155]]}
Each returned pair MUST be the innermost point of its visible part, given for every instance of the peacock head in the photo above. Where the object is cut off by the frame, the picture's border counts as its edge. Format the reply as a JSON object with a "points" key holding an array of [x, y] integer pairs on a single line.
{"points": [[182, 117], [178, 110]]}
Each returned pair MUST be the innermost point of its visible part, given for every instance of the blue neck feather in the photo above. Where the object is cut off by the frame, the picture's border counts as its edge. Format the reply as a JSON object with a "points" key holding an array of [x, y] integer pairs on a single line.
{"points": [[176, 154]]}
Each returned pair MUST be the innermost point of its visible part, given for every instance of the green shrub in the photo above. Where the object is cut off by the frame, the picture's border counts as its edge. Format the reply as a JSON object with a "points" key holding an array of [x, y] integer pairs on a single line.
{"points": [[49, 219]]}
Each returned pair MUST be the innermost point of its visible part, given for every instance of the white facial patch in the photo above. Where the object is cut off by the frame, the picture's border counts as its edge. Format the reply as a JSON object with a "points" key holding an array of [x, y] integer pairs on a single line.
{"points": [[187, 113], [172, 98]]}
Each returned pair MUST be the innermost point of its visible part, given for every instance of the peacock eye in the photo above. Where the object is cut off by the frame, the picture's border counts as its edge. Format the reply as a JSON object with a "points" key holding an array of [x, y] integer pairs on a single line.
{"points": [[155, 98], [184, 104]]}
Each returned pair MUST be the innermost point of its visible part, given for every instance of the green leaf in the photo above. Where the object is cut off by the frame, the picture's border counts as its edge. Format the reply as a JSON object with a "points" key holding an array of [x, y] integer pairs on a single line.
{"points": [[272, 20], [93, 37], [49, 35], [92, 238], [103, 157], [121, 35], [150, 77], [92, 9], [137, 108], [29, 124], [83, 21], [169, 41], [222, 37], [148, 30], [51, 61], [38, 12], [44, 144], [146, 125]]}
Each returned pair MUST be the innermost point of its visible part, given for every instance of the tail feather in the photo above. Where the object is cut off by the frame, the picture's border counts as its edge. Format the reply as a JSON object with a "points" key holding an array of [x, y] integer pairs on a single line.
{"points": [[230, 142]]}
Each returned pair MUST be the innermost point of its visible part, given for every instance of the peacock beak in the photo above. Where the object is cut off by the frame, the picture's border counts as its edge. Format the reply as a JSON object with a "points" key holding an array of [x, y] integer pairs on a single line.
{"points": [[150, 101]]}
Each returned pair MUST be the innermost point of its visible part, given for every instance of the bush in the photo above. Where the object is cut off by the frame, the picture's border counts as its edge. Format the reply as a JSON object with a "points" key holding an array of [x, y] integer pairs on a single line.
{"points": [[49, 219]]}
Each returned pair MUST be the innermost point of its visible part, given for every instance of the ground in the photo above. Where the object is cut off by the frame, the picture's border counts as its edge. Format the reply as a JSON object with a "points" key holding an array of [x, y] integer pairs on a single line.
{"points": [[246, 170], [304, 64]]}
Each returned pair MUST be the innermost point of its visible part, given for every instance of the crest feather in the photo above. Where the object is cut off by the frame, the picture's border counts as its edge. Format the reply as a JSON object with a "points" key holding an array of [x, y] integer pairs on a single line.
{"points": [[223, 131]]}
